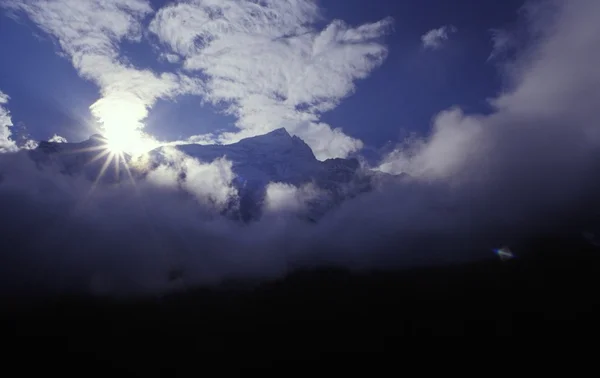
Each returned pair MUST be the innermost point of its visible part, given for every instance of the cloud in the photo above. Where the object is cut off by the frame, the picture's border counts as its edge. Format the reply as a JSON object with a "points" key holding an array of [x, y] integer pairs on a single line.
{"points": [[57, 139], [210, 183], [281, 198], [6, 144], [30, 144], [476, 182], [502, 41], [89, 33], [66, 234], [537, 152], [271, 65], [435, 38], [267, 62], [171, 58]]}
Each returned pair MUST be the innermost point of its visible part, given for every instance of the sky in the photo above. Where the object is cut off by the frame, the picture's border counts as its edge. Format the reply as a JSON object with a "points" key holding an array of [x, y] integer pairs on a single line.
{"points": [[482, 118], [51, 95]]}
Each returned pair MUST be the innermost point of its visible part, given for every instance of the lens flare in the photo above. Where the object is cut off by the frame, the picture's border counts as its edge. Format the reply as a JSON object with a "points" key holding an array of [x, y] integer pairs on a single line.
{"points": [[505, 253]]}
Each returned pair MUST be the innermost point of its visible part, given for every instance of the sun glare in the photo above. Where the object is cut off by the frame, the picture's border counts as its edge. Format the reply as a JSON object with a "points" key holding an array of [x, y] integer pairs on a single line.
{"points": [[120, 147], [130, 142]]}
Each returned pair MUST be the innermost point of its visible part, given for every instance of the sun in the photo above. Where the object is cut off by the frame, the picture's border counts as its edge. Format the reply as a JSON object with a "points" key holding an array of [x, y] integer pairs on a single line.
{"points": [[119, 148], [132, 142]]}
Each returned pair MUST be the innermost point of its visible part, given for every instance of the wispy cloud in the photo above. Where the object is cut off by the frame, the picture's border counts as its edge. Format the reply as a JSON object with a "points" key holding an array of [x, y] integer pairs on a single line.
{"points": [[502, 41], [435, 38], [6, 144], [271, 65]]}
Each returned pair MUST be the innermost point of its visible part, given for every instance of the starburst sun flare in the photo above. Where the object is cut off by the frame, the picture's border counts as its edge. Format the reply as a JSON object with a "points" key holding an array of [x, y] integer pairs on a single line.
{"points": [[130, 141]]}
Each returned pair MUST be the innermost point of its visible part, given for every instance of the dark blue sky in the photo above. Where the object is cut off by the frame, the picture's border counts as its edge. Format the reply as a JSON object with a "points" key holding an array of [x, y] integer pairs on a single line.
{"points": [[414, 84]]}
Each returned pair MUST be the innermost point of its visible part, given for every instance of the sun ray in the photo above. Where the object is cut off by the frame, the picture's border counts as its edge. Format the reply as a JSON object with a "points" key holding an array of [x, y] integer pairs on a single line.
{"points": [[126, 166], [107, 162], [99, 156], [86, 149], [117, 166]]}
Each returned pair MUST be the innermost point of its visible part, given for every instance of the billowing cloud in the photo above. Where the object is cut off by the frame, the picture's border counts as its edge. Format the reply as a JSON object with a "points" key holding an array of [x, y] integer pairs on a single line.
{"points": [[210, 183], [89, 33], [270, 64], [537, 153], [6, 144], [435, 38]]}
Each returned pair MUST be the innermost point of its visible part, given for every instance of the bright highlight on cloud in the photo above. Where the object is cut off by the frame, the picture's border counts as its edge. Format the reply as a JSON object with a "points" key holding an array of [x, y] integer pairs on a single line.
{"points": [[57, 139], [435, 38], [6, 144]]}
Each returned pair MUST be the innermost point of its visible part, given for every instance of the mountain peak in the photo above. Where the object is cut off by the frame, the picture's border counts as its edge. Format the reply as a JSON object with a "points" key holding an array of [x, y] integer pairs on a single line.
{"points": [[280, 139], [279, 132]]}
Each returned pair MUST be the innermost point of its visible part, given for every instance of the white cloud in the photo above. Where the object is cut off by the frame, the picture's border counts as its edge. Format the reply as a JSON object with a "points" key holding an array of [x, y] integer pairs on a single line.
{"points": [[270, 64], [454, 140], [30, 144], [90, 32], [210, 183], [281, 198], [171, 58], [57, 139], [435, 38], [6, 144]]}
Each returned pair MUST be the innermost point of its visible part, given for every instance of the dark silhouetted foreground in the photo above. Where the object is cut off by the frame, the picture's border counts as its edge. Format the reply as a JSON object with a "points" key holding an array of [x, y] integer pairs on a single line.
{"points": [[549, 292]]}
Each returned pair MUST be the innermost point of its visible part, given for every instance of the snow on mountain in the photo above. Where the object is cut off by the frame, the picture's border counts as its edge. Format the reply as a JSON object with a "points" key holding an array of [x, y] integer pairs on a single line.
{"points": [[258, 163], [275, 157]]}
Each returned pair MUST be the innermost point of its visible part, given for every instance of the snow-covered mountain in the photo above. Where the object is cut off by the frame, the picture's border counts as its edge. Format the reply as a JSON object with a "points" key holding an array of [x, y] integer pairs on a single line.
{"points": [[273, 158], [278, 157]]}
